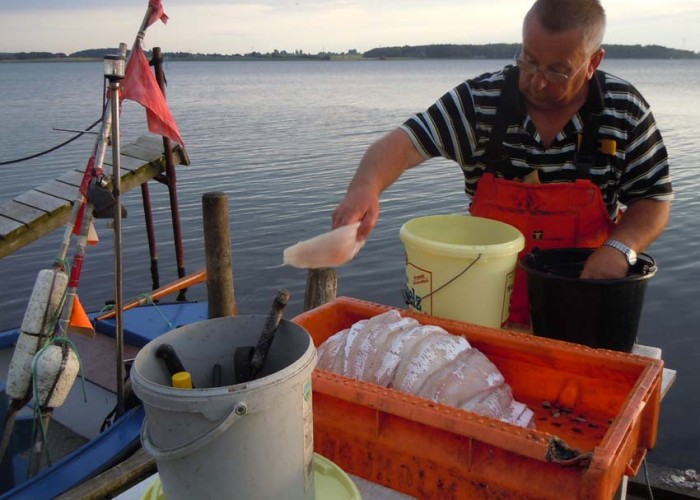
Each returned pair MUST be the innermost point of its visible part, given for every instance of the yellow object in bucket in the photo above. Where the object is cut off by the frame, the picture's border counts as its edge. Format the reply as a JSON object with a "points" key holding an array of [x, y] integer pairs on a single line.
{"points": [[330, 483], [461, 267]]}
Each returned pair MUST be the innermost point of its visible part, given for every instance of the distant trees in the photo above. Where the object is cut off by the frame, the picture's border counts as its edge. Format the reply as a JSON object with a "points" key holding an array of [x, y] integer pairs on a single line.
{"points": [[447, 51], [26, 56], [508, 51], [434, 51]]}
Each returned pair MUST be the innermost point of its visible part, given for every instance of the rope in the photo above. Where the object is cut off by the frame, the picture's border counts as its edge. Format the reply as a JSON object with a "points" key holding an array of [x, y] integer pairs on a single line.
{"points": [[42, 153], [150, 301]]}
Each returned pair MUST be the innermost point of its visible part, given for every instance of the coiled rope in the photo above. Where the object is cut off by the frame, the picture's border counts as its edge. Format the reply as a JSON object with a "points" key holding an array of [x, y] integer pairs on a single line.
{"points": [[42, 153]]}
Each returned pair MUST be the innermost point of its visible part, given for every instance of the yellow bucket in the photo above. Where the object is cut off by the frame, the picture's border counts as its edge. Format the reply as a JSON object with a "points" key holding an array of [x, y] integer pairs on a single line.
{"points": [[330, 483], [461, 267]]}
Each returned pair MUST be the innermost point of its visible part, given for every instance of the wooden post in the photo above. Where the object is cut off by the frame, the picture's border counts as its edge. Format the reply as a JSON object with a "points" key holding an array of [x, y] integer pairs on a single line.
{"points": [[217, 246], [171, 179], [321, 287]]}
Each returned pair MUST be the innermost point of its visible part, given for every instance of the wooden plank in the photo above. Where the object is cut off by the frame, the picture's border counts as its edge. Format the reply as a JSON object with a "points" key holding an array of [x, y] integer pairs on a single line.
{"points": [[7, 226], [668, 377], [28, 234], [40, 211], [143, 150], [150, 141], [74, 178], [20, 212], [127, 163], [41, 201], [135, 179], [59, 190], [119, 478]]}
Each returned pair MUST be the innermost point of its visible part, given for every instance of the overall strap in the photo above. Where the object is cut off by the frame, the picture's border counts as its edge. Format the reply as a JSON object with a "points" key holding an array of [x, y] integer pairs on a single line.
{"points": [[496, 157], [588, 142]]}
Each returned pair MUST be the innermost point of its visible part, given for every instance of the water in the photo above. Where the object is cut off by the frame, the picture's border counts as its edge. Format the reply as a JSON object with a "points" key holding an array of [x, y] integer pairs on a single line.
{"points": [[282, 140]]}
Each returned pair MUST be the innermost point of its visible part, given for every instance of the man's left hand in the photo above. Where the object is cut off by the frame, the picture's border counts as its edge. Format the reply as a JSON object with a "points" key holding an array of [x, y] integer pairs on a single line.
{"points": [[605, 263]]}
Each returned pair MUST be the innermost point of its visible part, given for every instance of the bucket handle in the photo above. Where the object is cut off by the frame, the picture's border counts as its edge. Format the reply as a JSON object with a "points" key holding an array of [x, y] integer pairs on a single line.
{"points": [[179, 451], [408, 300]]}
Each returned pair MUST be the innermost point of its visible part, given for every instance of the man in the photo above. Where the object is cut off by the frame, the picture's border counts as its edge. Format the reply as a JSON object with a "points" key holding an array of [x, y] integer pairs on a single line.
{"points": [[551, 145]]}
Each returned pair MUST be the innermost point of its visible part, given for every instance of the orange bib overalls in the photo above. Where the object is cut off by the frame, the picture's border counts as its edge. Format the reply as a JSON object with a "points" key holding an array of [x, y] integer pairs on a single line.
{"points": [[556, 215]]}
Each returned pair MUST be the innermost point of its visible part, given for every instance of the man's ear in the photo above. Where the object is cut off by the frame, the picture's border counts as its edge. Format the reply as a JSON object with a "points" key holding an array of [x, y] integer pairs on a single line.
{"points": [[596, 59]]}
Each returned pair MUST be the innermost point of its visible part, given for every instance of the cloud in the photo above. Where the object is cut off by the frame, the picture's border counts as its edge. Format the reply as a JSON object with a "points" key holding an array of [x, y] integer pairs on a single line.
{"points": [[314, 25]]}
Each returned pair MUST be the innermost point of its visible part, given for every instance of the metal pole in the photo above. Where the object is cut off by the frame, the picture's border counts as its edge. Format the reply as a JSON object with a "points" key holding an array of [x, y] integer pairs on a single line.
{"points": [[116, 191]]}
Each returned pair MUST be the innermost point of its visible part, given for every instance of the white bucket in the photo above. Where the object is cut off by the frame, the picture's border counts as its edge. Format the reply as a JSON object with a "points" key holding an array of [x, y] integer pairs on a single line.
{"points": [[461, 267], [249, 440]]}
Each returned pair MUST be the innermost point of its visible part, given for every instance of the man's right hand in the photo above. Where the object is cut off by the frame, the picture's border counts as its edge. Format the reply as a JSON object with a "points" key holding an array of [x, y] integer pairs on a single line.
{"points": [[383, 163], [358, 205]]}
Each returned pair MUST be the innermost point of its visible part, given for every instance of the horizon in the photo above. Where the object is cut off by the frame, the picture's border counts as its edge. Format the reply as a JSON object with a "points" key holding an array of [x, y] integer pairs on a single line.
{"points": [[291, 53], [338, 26]]}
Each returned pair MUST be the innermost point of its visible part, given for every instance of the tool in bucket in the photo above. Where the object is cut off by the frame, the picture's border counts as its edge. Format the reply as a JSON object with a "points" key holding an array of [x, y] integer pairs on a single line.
{"points": [[172, 361], [248, 360]]}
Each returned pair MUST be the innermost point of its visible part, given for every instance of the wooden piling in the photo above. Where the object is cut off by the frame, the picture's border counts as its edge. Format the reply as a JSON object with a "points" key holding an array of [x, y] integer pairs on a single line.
{"points": [[170, 178], [321, 287], [217, 245]]}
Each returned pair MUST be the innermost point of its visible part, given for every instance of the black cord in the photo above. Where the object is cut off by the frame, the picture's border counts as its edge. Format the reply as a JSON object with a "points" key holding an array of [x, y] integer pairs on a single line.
{"points": [[646, 476], [52, 149]]}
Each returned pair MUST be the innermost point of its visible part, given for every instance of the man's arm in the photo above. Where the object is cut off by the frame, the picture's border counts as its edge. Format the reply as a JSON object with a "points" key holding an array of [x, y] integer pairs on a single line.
{"points": [[383, 163], [641, 224]]}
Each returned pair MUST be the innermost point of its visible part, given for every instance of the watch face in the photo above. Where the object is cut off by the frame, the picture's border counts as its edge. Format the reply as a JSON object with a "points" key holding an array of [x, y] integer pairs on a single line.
{"points": [[632, 257]]}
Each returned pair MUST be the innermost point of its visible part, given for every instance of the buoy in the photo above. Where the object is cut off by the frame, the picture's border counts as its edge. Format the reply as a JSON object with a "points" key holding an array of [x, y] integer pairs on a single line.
{"points": [[56, 367], [37, 328]]}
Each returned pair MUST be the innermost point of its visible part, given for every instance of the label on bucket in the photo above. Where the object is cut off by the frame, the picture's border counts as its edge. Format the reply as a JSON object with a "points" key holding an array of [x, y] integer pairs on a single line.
{"points": [[476, 289], [419, 285], [507, 293]]}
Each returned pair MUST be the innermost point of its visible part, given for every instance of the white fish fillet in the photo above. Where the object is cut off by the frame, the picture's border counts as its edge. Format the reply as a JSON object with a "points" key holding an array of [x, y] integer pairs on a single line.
{"points": [[328, 350], [331, 249], [467, 375], [382, 369], [373, 334], [425, 360], [427, 355], [340, 365], [494, 403]]}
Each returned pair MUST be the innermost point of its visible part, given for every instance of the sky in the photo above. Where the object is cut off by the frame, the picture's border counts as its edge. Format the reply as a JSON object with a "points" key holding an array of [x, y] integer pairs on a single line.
{"points": [[312, 26]]}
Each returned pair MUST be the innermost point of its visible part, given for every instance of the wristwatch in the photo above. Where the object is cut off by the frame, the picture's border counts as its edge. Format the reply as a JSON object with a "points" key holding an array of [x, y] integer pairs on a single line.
{"points": [[630, 254]]}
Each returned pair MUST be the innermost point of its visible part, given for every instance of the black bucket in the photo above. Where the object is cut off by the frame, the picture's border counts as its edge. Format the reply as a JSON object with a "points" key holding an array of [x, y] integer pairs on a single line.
{"points": [[596, 313]]}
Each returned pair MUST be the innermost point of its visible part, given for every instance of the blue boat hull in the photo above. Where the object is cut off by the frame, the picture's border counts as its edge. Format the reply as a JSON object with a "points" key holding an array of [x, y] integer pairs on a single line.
{"points": [[141, 325]]}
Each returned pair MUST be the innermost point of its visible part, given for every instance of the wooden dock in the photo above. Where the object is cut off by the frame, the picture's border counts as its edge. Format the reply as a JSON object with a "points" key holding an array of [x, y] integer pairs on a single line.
{"points": [[41, 210]]}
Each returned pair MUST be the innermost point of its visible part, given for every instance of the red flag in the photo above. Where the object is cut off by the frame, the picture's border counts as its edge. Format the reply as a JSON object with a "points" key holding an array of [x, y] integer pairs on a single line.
{"points": [[140, 85], [157, 12]]}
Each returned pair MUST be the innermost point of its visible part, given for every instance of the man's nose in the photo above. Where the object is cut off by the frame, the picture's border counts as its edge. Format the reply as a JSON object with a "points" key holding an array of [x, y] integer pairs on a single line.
{"points": [[538, 82]]}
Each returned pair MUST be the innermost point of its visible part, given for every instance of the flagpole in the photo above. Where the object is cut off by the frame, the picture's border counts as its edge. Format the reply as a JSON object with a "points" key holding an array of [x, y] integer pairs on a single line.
{"points": [[93, 169], [116, 190], [114, 72]]}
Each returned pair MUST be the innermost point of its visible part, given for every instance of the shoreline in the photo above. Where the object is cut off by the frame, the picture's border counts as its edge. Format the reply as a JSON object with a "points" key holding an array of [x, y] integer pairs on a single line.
{"points": [[305, 59]]}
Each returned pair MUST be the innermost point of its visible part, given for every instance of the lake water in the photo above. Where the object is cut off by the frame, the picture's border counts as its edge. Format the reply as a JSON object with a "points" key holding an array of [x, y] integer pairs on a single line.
{"points": [[282, 140]]}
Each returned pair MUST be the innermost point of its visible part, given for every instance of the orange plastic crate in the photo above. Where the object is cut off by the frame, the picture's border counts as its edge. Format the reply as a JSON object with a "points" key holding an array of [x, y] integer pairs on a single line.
{"points": [[429, 450]]}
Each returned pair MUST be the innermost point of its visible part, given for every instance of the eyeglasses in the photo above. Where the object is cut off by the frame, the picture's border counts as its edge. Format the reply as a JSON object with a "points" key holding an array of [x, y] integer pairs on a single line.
{"points": [[554, 77]]}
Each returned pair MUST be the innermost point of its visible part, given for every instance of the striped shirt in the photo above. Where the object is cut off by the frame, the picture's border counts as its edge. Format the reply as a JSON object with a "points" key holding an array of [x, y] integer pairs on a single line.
{"points": [[458, 126]]}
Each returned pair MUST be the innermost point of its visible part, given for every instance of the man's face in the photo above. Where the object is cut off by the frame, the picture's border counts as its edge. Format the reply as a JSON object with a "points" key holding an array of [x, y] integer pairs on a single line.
{"points": [[563, 53]]}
